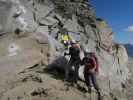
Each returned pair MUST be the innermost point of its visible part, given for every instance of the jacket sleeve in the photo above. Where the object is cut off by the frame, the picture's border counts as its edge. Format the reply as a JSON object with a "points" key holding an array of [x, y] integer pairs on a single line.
{"points": [[94, 62], [83, 61]]}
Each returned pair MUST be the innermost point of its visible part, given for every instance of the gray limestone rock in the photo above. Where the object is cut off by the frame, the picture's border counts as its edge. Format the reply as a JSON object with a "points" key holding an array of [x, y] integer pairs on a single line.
{"points": [[44, 19], [5, 8]]}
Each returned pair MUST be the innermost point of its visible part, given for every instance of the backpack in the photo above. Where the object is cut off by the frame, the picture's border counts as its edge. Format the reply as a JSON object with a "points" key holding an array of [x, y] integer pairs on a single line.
{"points": [[93, 60]]}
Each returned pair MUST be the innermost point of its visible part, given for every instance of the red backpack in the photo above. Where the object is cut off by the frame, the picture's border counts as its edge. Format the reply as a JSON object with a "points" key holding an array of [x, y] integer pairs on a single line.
{"points": [[94, 60]]}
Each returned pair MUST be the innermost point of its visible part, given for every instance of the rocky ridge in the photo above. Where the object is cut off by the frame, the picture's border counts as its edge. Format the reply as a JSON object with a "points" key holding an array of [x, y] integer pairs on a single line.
{"points": [[37, 45]]}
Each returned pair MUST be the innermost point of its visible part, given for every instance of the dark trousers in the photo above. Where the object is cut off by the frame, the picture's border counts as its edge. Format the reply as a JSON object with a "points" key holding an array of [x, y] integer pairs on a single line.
{"points": [[71, 63], [90, 77]]}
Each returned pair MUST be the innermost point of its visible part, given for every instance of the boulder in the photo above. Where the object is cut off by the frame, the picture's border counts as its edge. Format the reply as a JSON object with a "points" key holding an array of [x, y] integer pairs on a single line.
{"points": [[43, 20], [20, 54], [48, 21], [72, 25]]}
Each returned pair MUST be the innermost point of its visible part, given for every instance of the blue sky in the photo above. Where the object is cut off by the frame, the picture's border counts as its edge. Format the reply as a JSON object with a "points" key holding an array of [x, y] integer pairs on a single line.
{"points": [[119, 15]]}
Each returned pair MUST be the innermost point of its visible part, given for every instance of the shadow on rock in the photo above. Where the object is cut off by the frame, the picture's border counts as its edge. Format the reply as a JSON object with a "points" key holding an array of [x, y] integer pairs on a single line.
{"points": [[57, 68]]}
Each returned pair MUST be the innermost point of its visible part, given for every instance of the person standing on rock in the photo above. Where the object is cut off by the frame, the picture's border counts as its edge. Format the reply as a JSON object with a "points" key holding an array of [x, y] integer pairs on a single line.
{"points": [[90, 70], [74, 52]]}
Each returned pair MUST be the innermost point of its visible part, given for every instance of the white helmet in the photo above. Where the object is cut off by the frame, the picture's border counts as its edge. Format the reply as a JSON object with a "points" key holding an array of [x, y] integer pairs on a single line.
{"points": [[73, 41]]}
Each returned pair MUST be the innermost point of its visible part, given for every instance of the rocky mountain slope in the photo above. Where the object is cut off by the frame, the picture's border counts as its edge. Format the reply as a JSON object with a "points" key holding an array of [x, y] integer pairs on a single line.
{"points": [[129, 49], [129, 83], [24, 57]]}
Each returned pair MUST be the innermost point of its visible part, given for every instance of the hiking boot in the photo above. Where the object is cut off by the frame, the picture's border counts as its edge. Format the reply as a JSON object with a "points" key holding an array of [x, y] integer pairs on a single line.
{"points": [[66, 88], [100, 97], [66, 83], [75, 85]]}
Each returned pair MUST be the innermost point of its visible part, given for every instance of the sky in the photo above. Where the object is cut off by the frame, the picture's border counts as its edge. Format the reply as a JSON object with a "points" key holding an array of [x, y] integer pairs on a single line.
{"points": [[119, 15]]}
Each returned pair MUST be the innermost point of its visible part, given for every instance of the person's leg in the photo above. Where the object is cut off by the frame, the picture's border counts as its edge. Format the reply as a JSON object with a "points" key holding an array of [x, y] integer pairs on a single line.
{"points": [[88, 81], [76, 71], [67, 69], [96, 86], [94, 81]]}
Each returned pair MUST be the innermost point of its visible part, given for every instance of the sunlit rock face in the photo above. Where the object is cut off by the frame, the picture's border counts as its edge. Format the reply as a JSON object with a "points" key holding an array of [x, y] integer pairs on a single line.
{"points": [[5, 8], [44, 20]]}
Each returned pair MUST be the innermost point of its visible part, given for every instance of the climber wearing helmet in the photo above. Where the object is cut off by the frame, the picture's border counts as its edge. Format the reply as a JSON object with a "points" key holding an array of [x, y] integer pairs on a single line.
{"points": [[74, 52], [65, 38]]}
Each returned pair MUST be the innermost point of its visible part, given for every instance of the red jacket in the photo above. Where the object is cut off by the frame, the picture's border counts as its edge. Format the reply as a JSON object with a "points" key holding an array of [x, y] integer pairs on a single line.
{"points": [[91, 64]]}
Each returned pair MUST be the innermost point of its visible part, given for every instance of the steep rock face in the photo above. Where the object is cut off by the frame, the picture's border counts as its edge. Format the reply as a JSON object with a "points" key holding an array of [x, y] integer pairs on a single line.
{"points": [[47, 18], [129, 83], [21, 53], [129, 48]]}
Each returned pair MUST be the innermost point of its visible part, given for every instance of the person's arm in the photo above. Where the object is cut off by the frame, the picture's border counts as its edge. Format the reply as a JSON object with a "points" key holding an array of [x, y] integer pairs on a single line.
{"points": [[82, 61], [68, 53], [94, 62], [65, 53]]}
